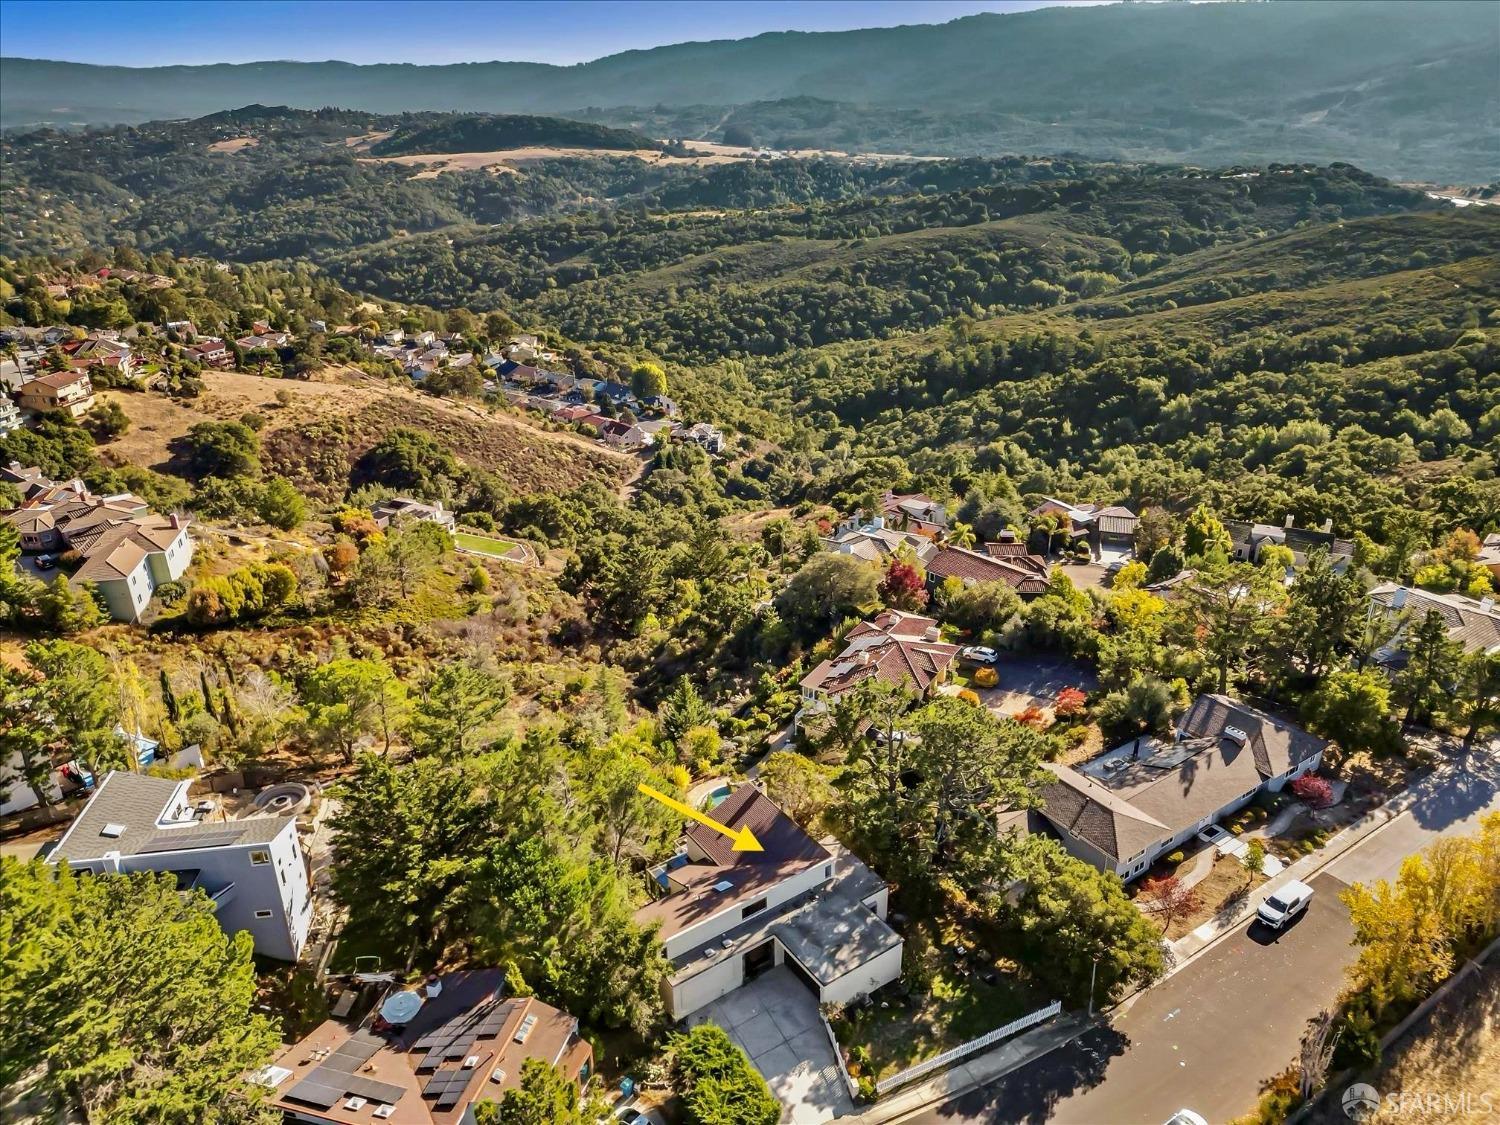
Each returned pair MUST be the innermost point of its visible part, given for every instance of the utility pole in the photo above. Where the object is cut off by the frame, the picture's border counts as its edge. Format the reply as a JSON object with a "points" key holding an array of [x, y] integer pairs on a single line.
{"points": [[1093, 975]]}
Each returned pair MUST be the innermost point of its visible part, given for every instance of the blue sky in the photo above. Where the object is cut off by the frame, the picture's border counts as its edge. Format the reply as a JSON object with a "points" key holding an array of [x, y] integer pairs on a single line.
{"points": [[159, 32]]}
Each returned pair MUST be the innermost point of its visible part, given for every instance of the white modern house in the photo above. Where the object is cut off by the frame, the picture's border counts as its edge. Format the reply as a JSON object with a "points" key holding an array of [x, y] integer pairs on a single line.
{"points": [[1137, 802], [253, 869], [724, 917], [398, 508]]}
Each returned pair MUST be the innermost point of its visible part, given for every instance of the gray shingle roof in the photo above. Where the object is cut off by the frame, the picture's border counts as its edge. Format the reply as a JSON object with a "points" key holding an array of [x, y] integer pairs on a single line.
{"points": [[136, 802]]}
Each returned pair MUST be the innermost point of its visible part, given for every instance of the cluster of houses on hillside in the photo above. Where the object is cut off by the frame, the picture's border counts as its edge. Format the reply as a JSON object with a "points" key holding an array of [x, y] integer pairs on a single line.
{"points": [[610, 408], [123, 548]]}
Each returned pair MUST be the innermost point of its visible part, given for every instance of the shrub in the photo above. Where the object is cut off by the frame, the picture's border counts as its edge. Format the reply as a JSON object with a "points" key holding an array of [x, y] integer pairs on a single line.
{"points": [[969, 696], [986, 677], [170, 593], [717, 1082], [1176, 857]]}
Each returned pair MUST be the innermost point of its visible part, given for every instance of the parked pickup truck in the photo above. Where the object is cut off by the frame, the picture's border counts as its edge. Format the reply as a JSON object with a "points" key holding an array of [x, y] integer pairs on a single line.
{"points": [[1285, 904]]}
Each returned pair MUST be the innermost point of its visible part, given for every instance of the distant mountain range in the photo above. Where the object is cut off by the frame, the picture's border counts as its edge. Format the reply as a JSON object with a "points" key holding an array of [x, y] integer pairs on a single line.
{"points": [[1406, 89]]}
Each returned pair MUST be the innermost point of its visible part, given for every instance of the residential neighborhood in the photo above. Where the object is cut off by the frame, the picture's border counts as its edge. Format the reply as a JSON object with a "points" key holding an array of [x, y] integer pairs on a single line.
{"points": [[669, 564]]}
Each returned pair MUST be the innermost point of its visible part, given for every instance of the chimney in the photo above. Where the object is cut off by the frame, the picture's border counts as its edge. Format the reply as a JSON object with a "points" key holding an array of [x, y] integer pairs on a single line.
{"points": [[1291, 521], [176, 522], [1328, 526], [433, 987]]}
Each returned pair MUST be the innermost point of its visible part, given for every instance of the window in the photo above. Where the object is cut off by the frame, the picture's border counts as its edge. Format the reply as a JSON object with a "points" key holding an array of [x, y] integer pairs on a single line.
{"points": [[753, 908], [262, 913], [260, 858]]}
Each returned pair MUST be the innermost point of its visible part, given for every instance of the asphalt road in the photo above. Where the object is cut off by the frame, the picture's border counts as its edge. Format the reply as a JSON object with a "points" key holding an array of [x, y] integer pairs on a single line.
{"points": [[1207, 1037]]}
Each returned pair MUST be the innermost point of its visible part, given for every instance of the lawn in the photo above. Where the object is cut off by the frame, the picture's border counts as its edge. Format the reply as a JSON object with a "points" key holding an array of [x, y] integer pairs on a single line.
{"points": [[483, 545], [950, 999]]}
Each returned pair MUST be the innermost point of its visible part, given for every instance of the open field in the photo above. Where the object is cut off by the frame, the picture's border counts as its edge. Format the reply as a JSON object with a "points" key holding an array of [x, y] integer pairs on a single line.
{"points": [[329, 423]]}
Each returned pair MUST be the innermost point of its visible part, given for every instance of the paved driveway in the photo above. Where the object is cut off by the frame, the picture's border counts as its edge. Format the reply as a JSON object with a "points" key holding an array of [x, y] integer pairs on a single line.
{"points": [[775, 1019], [1033, 680]]}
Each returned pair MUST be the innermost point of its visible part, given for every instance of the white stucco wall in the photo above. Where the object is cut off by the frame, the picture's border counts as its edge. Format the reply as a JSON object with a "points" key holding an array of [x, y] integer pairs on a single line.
{"points": [[706, 987], [865, 979]]}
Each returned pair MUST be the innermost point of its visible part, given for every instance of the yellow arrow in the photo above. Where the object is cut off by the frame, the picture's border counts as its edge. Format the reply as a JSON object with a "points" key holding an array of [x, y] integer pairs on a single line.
{"points": [[744, 839]]}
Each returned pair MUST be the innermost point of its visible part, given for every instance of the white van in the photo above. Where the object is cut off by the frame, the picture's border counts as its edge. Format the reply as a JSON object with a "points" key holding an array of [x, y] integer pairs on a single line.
{"points": [[1285, 904]]}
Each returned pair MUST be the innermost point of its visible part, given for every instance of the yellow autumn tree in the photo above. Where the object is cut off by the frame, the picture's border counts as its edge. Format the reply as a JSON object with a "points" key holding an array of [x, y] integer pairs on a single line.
{"points": [[1411, 932]]}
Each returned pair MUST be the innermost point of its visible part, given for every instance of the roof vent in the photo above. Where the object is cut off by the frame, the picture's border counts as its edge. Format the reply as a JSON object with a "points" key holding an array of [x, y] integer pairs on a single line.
{"points": [[354, 1103], [723, 885], [1234, 734], [385, 1111], [113, 831]]}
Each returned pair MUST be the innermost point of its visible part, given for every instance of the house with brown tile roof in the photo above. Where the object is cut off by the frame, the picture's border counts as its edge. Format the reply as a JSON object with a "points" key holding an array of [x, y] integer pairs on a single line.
{"points": [[460, 1041], [898, 648], [972, 566], [127, 552], [1123, 809], [725, 916]]}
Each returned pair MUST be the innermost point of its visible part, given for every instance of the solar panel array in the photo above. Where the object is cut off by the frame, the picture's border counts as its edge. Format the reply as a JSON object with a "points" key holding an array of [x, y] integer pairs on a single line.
{"points": [[455, 1038], [447, 1086], [336, 1075], [183, 841]]}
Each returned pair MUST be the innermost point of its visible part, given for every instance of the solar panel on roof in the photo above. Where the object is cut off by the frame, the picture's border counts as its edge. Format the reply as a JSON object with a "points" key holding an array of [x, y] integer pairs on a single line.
{"points": [[173, 843], [492, 1022], [315, 1092], [374, 1090], [450, 1097], [439, 1082]]}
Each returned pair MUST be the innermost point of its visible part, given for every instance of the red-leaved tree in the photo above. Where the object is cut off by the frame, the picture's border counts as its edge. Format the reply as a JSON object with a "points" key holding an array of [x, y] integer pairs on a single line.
{"points": [[1168, 897], [902, 587], [1314, 790], [1069, 703]]}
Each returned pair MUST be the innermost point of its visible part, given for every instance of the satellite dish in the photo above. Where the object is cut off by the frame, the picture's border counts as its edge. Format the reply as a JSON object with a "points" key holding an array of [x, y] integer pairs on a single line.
{"points": [[400, 1007]]}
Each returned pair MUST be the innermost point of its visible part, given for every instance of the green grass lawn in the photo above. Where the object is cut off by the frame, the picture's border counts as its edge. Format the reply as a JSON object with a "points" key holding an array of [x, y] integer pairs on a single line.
{"points": [[483, 544], [954, 1005]]}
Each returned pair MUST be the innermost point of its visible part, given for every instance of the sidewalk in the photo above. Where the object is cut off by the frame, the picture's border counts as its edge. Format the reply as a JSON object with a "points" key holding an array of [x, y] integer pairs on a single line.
{"points": [[977, 1071]]}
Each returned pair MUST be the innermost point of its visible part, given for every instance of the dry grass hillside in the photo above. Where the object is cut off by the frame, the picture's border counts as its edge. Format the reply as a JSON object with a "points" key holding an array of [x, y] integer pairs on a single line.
{"points": [[317, 436]]}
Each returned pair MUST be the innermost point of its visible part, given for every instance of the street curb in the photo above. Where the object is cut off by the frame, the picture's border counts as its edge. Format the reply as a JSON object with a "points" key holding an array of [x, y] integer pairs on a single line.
{"points": [[873, 1115]]}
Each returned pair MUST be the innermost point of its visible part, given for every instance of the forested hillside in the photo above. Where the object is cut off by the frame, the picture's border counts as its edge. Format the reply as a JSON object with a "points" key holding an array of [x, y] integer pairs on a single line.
{"points": [[1402, 88]]}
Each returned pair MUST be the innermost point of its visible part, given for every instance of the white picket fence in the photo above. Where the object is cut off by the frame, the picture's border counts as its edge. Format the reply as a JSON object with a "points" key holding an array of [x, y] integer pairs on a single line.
{"points": [[953, 1055]]}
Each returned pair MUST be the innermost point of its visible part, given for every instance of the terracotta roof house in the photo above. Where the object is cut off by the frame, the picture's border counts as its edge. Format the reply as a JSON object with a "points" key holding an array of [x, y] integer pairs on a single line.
{"points": [[252, 869], [1122, 810], [68, 391], [972, 566], [725, 916], [211, 351], [615, 433], [899, 648], [1250, 538], [460, 1041], [1472, 623]]}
